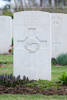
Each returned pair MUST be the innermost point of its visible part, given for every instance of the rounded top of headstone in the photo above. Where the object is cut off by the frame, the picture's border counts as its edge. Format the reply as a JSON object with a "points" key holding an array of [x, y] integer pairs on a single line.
{"points": [[21, 12], [5, 17]]}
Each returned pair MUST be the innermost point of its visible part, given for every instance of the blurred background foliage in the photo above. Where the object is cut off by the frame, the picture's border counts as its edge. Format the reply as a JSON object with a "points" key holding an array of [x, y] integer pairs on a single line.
{"points": [[7, 7]]}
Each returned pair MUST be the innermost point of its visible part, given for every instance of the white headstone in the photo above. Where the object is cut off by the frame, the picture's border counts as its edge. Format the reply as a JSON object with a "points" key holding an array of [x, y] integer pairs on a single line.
{"points": [[32, 45], [5, 34], [59, 34]]}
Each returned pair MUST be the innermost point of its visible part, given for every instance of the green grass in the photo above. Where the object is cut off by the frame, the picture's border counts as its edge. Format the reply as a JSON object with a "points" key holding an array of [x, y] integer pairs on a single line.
{"points": [[8, 69], [57, 71], [32, 97], [6, 59]]}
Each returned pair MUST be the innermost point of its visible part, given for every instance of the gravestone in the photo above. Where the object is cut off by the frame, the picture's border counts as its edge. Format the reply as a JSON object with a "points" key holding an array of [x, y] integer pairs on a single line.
{"points": [[5, 34], [59, 33], [32, 45]]}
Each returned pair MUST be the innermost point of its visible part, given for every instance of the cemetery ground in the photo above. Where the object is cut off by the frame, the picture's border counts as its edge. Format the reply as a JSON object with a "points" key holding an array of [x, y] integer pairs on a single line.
{"points": [[35, 90], [32, 97]]}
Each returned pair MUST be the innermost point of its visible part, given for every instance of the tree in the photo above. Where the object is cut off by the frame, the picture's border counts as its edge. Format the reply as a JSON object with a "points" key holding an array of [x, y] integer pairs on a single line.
{"points": [[41, 3], [64, 2], [16, 5], [50, 2], [21, 4], [30, 3]]}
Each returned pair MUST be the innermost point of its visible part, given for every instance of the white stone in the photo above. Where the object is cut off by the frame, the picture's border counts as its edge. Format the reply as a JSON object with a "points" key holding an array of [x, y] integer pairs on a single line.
{"points": [[32, 45], [59, 33], [5, 34]]}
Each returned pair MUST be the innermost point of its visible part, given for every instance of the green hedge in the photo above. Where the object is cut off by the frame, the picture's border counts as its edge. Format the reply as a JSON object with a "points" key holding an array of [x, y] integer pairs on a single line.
{"points": [[7, 13], [62, 59]]}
